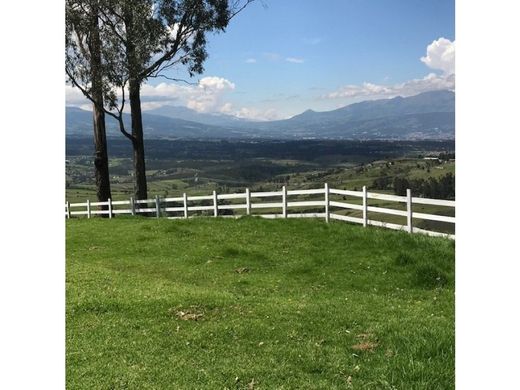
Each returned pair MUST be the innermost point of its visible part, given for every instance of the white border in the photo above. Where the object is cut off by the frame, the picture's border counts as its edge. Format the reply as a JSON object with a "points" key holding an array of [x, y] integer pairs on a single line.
{"points": [[32, 265], [488, 152]]}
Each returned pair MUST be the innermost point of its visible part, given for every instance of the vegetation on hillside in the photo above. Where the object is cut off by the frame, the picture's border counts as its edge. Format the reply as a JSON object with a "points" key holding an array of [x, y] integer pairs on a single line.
{"points": [[202, 166]]}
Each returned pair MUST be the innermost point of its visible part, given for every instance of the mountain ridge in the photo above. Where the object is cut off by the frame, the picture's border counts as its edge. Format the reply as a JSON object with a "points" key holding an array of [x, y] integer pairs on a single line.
{"points": [[429, 115]]}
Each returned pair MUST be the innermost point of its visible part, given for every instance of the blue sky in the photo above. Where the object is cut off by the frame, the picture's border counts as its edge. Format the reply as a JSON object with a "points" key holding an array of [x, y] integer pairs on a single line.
{"points": [[281, 57]]}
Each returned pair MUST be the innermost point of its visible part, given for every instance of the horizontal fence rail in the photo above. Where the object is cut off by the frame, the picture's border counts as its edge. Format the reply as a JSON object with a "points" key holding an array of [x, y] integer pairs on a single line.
{"points": [[215, 204]]}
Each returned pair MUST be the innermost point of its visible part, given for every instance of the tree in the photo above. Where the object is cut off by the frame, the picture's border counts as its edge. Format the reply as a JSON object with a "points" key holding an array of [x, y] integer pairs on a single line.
{"points": [[400, 185], [381, 183], [151, 37], [83, 62]]}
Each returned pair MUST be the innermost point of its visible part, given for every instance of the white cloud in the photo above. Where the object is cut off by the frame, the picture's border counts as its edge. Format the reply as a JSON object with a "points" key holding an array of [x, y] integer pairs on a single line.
{"points": [[227, 108], [251, 61], [216, 83], [295, 60], [206, 96], [74, 97], [169, 91], [440, 55], [255, 114], [431, 82]]}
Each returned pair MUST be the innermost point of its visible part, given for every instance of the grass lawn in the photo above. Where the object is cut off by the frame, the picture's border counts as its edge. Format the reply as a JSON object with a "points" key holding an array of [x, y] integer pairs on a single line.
{"points": [[256, 304]]}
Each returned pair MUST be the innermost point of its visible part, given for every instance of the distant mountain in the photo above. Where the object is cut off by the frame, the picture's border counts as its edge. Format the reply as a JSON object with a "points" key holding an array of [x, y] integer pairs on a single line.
{"points": [[428, 102], [430, 115], [79, 123], [188, 114], [427, 115]]}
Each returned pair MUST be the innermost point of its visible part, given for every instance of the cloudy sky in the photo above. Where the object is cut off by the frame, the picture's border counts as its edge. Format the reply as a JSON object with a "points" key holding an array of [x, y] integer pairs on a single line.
{"points": [[279, 58]]}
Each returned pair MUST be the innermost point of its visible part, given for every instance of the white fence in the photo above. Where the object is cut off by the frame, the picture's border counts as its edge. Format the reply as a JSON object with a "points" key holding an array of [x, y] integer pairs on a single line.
{"points": [[180, 207]]}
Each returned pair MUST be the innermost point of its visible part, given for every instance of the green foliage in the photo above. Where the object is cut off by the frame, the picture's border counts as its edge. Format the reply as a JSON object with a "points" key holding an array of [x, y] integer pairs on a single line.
{"points": [[442, 188], [381, 183], [140, 39], [218, 303]]}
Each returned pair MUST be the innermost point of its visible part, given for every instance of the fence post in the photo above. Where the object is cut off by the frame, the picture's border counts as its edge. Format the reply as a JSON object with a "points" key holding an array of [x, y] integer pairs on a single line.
{"points": [[68, 210], [157, 206], [409, 210], [88, 208], [327, 213], [365, 207], [109, 208], [248, 201], [284, 201], [215, 204], [132, 205], [185, 198]]}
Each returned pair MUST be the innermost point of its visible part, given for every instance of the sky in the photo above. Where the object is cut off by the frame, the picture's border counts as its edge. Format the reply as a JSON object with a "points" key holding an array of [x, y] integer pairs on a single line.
{"points": [[278, 58]]}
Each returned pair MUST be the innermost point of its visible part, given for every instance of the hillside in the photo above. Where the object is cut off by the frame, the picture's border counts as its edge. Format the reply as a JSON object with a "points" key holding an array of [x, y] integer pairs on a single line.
{"points": [[430, 115], [249, 303], [79, 123]]}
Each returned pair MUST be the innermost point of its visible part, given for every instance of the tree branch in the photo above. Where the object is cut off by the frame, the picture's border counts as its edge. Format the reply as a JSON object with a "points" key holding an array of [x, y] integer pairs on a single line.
{"points": [[170, 53], [174, 79], [118, 117], [112, 26], [240, 9]]}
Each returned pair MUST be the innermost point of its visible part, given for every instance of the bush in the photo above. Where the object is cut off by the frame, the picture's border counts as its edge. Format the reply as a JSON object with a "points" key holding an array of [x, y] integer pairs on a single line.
{"points": [[429, 276]]}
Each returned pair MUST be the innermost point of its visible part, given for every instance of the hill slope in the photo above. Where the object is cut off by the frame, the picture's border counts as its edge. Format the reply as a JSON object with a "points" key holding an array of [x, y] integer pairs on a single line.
{"points": [[430, 115], [223, 303], [79, 123]]}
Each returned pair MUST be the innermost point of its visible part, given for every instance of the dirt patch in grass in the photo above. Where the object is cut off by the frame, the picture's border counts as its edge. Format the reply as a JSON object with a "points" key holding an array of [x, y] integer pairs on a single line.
{"points": [[367, 342], [365, 346], [190, 314]]}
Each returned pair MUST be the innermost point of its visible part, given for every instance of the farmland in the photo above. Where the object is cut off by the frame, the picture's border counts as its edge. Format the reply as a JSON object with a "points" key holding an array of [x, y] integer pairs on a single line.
{"points": [[199, 167]]}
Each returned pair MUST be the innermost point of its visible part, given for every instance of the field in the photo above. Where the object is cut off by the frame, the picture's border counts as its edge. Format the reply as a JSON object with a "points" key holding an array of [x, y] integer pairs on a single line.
{"points": [[256, 304], [199, 167]]}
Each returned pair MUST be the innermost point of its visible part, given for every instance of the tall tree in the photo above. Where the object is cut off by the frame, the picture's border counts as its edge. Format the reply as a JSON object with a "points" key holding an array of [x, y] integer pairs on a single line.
{"points": [[84, 64], [152, 37]]}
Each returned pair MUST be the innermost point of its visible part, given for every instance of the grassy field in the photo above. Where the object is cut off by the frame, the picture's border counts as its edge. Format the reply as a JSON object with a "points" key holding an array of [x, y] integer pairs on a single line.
{"points": [[256, 304]]}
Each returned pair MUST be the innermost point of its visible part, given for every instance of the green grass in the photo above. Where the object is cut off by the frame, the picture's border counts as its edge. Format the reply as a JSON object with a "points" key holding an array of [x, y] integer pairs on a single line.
{"points": [[256, 304]]}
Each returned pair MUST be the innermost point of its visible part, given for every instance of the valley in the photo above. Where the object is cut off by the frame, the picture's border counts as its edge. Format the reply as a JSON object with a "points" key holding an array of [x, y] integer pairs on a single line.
{"points": [[198, 167]]}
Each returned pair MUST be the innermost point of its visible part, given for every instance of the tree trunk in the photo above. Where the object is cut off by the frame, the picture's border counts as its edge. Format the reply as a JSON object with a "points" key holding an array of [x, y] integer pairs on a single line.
{"points": [[100, 140], [134, 91], [141, 190], [101, 157]]}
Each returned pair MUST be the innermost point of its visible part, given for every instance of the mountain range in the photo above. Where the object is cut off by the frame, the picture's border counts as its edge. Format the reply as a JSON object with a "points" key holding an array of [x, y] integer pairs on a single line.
{"points": [[429, 115]]}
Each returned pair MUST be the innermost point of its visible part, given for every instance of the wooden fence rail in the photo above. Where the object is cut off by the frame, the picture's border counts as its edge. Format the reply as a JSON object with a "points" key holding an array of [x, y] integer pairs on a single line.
{"points": [[180, 207]]}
